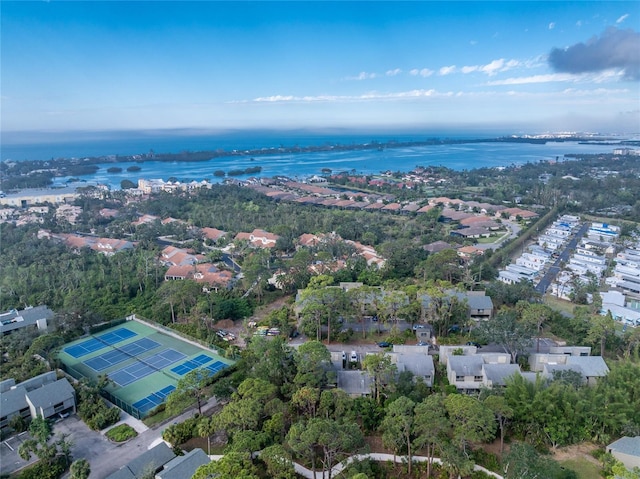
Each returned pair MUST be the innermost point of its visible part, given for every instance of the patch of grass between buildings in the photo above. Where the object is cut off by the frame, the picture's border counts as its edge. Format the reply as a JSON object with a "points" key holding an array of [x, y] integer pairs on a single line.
{"points": [[121, 433], [584, 469]]}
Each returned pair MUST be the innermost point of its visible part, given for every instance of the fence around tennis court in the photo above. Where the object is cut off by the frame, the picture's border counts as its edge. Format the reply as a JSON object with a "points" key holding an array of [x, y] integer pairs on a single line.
{"points": [[130, 400], [125, 406]]}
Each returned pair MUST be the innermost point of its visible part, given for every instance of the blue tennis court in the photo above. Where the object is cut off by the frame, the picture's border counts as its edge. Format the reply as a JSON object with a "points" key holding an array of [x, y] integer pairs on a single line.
{"points": [[140, 369], [94, 344], [191, 364], [146, 404], [217, 366], [116, 356]]}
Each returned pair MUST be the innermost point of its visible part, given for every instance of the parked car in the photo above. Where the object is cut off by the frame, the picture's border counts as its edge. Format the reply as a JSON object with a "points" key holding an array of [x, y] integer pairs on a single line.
{"points": [[385, 344], [418, 326], [474, 343], [354, 357]]}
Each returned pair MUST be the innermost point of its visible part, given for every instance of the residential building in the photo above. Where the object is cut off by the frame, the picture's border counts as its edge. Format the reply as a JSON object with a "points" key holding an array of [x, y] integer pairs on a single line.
{"points": [[106, 246], [415, 359], [437, 246], [172, 256], [151, 460], [603, 232], [52, 399], [213, 234], [615, 303], [480, 306], [369, 253], [626, 450], [145, 220], [69, 213], [259, 238], [591, 368], [184, 467], [43, 395], [472, 373], [201, 273], [446, 351], [355, 383], [29, 317]]}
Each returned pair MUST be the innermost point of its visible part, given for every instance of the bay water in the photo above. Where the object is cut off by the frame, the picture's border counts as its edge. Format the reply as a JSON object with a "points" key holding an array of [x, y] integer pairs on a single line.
{"points": [[298, 166]]}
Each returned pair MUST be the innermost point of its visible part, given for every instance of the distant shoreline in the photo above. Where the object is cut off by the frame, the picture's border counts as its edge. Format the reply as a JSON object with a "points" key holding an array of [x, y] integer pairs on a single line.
{"points": [[205, 155], [336, 155]]}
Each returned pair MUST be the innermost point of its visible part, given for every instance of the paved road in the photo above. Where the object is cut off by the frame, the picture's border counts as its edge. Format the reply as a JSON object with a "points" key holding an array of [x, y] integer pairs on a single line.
{"points": [[553, 271], [104, 456]]}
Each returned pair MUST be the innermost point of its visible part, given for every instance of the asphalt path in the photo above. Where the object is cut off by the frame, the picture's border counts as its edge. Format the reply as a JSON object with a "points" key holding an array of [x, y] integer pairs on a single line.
{"points": [[553, 271], [105, 457]]}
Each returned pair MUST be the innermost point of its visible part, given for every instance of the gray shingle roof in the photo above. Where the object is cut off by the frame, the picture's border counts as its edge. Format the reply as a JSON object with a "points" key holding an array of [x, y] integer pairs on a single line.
{"points": [[123, 473], [466, 365], [474, 301], [51, 394], [591, 366], [154, 459], [12, 401], [418, 364], [626, 445], [499, 373], [184, 467], [13, 319], [354, 382]]}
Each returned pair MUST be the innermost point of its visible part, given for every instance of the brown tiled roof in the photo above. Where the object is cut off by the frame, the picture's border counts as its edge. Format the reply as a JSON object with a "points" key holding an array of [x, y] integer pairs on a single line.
{"points": [[426, 208], [213, 233], [392, 207], [374, 206]]}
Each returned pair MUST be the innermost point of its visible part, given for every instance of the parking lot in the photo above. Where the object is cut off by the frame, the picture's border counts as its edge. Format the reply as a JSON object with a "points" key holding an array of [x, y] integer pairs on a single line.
{"points": [[9, 459]]}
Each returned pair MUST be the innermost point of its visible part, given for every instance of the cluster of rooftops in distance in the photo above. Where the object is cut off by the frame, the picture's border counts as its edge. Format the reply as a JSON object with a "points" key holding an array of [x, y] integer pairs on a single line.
{"points": [[470, 371]]}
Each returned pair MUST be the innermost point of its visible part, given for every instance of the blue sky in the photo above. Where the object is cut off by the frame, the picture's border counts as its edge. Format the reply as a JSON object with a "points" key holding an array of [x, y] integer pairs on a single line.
{"points": [[521, 66]]}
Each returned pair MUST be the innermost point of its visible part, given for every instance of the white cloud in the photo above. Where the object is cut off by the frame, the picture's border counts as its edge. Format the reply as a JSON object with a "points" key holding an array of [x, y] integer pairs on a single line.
{"points": [[275, 98], [493, 67], [622, 18], [579, 23], [432, 94], [394, 72], [424, 72], [552, 25], [599, 77], [374, 95], [362, 76], [553, 77], [473, 42], [447, 70], [597, 91]]}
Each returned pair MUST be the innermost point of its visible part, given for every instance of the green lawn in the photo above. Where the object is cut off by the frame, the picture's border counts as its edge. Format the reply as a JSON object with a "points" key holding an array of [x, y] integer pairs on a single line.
{"points": [[583, 468], [558, 304]]}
